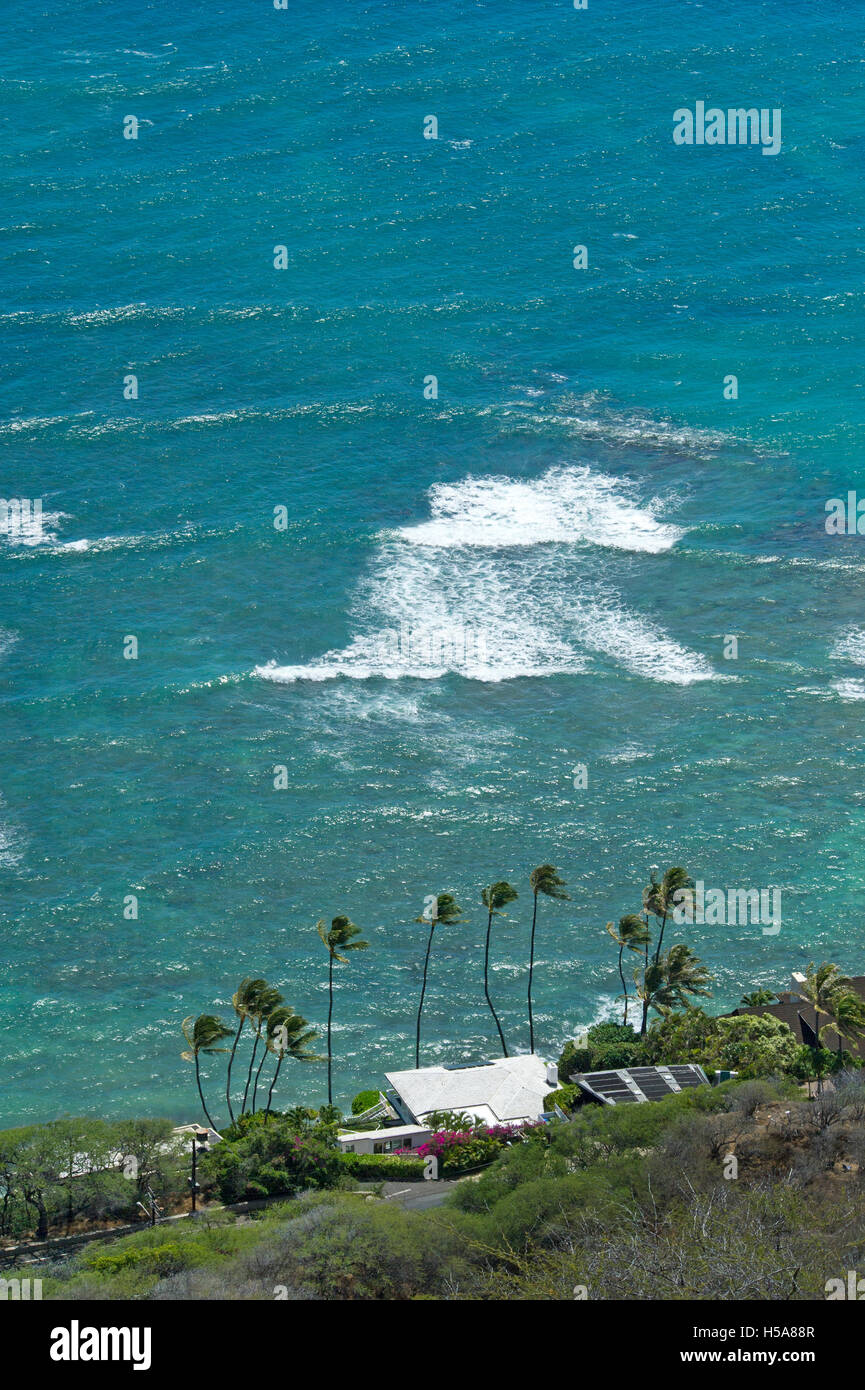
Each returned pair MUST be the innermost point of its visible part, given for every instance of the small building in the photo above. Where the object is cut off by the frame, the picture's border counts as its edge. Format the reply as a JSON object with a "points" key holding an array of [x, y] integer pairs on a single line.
{"points": [[626, 1085], [382, 1141], [508, 1091], [204, 1135]]}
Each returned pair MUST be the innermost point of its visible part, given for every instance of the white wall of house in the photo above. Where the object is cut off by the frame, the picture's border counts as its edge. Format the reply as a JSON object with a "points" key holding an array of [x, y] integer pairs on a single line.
{"points": [[383, 1141]]}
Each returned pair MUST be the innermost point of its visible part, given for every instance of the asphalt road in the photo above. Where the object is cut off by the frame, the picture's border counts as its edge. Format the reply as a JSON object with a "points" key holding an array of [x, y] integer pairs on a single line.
{"points": [[418, 1196]]}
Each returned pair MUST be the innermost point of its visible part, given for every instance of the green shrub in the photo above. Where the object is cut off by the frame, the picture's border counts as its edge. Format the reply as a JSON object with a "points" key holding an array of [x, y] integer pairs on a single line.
{"points": [[566, 1098], [271, 1159], [573, 1059], [602, 1034], [382, 1168], [754, 1045], [154, 1259], [364, 1100]]}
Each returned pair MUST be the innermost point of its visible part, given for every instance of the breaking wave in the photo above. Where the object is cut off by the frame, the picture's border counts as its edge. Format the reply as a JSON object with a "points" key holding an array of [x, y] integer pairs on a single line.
{"points": [[500, 582]]}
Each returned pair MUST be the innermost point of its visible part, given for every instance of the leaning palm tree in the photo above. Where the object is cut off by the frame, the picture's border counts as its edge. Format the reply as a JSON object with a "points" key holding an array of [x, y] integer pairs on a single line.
{"points": [[848, 1016], [667, 984], [266, 1001], [544, 880], [819, 986], [287, 1036], [494, 898], [203, 1034], [341, 937], [632, 934], [442, 908], [244, 1001], [659, 898]]}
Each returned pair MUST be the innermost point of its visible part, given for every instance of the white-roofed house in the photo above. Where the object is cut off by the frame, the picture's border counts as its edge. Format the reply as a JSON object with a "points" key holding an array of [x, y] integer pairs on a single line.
{"points": [[382, 1141], [509, 1091]]}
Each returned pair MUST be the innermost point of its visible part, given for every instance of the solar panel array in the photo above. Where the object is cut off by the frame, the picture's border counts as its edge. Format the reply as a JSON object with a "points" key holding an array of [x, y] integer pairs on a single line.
{"points": [[635, 1085]]}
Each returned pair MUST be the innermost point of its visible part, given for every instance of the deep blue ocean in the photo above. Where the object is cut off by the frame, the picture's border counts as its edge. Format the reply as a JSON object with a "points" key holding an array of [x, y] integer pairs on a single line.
{"points": [[573, 526]]}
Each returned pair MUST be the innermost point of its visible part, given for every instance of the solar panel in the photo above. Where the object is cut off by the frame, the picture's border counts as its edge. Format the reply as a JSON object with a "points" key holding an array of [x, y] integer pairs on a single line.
{"points": [[639, 1084], [688, 1076]]}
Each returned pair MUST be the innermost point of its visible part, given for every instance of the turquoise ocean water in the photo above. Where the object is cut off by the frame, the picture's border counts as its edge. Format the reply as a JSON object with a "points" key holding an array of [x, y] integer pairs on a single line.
{"points": [[580, 500]]}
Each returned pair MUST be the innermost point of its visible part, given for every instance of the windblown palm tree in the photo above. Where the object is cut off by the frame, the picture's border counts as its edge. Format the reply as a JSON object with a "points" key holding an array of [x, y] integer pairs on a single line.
{"points": [[659, 898], [341, 937], [244, 1001], [494, 898], [287, 1036], [203, 1035], [848, 1014], [758, 997], [632, 933], [667, 983], [820, 985], [266, 1001], [444, 909], [544, 880]]}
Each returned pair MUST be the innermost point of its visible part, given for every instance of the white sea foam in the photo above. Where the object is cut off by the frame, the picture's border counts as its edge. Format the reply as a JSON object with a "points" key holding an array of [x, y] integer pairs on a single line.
{"points": [[849, 689], [850, 646], [30, 528], [566, 504], [496, 585]]}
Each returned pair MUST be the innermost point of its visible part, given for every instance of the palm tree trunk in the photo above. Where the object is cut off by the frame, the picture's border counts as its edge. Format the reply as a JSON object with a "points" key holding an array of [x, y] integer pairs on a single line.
{"points": [[531, 973], [422, 993], [624, 986], [486, 984], [230, 1063], [251, 1065], [201, 1094], [257, 1075], [329, 1018], [661, 938], [272, 1084], [645, 1001]]}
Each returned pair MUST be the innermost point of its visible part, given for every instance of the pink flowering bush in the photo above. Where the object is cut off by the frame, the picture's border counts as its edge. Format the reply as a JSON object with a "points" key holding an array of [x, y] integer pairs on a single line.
{"points": [[458, 1150]]}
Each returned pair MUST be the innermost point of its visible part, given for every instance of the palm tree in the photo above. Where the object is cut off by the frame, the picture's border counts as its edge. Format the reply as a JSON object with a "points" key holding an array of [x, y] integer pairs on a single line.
{"points": [[818, 988], [287, 1036], [667, 983], [758, 997], [660, 898], [544, 880], [444, 909], [299, 1117], [494, 898], [341, 937], [243, 1001], [266, 1001], [633, 933], [203, 1034], [825, 988], [848, 1015]]}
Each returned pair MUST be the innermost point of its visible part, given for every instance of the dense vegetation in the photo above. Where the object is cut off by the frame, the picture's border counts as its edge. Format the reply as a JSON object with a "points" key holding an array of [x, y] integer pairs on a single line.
{"points": [[56, 1177], [746, 1190]]}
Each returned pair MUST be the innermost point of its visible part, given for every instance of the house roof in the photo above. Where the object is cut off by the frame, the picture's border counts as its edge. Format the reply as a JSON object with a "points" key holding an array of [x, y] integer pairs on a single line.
{"points": [[635, 1084], [391, 1132], [792, 1010], [500, 1092]]}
